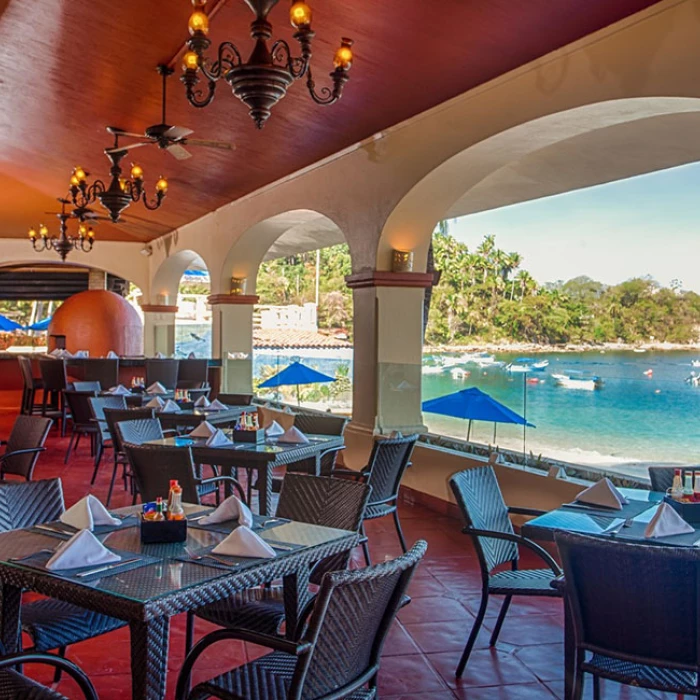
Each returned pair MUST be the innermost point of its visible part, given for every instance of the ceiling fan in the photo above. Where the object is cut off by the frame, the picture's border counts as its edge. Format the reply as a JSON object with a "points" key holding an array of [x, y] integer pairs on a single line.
{"points": [[172, 139]]}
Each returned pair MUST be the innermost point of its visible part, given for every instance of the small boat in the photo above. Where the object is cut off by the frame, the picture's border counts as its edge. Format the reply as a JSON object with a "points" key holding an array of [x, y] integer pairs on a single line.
{"points": [[649, 373], [693, 379], [460, 373], [639, 350], [432, 369], [526, 364], [695, 363], [575, 380]]}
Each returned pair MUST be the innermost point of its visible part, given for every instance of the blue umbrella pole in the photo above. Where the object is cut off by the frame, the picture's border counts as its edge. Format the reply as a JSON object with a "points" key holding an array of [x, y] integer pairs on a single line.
{"points": [[298, 396], [469, 429]]}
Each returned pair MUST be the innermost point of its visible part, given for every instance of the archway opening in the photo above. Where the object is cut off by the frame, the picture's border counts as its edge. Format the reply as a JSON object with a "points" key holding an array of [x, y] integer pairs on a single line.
{"points": [[193, 322]]}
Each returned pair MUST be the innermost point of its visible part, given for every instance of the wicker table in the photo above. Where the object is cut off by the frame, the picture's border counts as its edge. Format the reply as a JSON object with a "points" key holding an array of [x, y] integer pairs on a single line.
{"points": [[164, 583], [594, 522], [261, 458], [191, 418]]}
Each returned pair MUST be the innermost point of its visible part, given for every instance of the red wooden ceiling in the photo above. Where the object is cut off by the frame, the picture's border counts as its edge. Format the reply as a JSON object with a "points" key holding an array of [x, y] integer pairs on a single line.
{"points": [[70, 67]]}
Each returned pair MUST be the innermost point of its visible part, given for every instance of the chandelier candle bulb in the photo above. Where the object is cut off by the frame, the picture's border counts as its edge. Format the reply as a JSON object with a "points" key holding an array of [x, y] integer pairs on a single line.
{"points": [[190, 61], [162, 185], [300, 15]]}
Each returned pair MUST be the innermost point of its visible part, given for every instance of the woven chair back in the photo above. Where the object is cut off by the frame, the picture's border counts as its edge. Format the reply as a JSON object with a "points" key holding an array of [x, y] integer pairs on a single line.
{"points": [[79, 406], [163, 371], [121, 415], [95, 387], [192, 373], [387, 463], [102, 370], [25, 366], [236, 399], [479, 498], [635, 602], [28, 432], [53, 373], [98, 405], [28, 503]]}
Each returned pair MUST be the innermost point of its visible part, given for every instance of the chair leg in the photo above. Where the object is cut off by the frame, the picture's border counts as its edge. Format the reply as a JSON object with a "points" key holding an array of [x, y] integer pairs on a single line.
{"points": [[98, 459], [70, 447], [58, 672], [577, 689], [499, 621], [189, 633], [473, 634], [111, 483], [365, 545], [596, 688], [397, 522]]}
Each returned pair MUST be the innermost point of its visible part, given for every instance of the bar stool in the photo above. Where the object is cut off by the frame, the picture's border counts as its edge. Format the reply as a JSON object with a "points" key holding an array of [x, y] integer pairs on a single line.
{"points": [[31, 385], [53, 375]]}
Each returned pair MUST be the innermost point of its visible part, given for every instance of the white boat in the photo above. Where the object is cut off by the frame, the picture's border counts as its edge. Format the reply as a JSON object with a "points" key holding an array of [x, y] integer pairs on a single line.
{"points": [[432, 369], [524, 364], [571, 381], [695, 363], [459, 373]]}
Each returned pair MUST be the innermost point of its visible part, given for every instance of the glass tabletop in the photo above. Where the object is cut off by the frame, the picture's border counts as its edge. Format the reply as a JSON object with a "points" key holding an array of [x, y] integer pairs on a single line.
{"points": [[153, 571], [270, 446]]}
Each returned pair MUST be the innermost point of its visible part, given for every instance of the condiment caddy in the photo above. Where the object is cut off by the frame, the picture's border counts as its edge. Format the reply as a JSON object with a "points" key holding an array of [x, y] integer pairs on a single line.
{"points": [[248, 429], [684, 494], [163, 523]]}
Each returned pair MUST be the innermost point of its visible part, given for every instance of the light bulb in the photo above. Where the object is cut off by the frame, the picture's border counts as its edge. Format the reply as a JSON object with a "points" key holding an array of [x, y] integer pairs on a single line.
{"points": [[74, 182], [199, 3], [79, 174], [190, 61], [122, 184], [300, 14], [343, 56], [91, 233], [43, 231], [82, 230], [32, 233], [162, 185], [198, 22], [136, 172]]}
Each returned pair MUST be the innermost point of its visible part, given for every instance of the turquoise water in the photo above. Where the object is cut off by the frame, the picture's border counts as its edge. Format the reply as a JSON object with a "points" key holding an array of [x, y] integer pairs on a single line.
{"points": [[631, 419]]}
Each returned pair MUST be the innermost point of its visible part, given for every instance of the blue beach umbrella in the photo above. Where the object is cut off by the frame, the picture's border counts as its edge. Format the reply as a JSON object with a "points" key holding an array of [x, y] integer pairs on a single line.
{"points": [[39, 325], [6, 325], [297, 374], [473, 404]]}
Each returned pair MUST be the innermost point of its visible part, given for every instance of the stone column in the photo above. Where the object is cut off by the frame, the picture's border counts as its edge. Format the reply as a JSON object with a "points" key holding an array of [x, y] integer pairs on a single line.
{"points": [[232, 339], [158, 329], [97, 279], [388, 350]]}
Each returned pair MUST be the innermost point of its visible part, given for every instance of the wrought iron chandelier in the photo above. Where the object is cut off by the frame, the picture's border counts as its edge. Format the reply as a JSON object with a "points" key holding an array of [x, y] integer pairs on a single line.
{"points": [[63, 243], [262, 80], [120, 192]]}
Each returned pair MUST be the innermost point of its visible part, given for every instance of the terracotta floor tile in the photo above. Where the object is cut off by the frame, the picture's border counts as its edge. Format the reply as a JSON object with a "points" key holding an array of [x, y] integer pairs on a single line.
{"points": [[546, 661], [408, 674], [433, 609], [450, 635]]}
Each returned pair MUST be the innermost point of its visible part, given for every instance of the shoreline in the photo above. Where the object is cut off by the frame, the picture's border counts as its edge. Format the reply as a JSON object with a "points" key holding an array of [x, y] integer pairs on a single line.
{"points": [[534, 348]]}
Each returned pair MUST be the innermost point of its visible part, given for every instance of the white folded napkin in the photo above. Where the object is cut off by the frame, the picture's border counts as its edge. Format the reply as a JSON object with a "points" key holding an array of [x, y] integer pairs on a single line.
{"points": [[204, 430], [191, 356], [170, 407], [274, 429], [156, 402], [119, 390], [87, 513], [83, 549], [111, 355], [156, 388], [231, 509], [216, 405], [287, 410], [243, 542], [202, 402], [294, 436], [602, 493], [56, 352], [82, 353], [218, 439], [666, 522], [160, 356]]}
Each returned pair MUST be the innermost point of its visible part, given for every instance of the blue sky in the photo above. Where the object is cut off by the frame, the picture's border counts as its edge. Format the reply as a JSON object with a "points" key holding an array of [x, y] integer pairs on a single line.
{"points": [[647, 225]]}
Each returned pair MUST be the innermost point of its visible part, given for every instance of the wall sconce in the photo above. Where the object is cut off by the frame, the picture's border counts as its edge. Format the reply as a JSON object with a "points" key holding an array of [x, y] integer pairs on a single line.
{"points": [[402, 261], [163, 300], [238, 285]]}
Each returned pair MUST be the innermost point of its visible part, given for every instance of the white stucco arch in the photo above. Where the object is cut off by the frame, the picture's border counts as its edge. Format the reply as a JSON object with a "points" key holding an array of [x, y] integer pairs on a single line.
{"points": [[166, 280]]}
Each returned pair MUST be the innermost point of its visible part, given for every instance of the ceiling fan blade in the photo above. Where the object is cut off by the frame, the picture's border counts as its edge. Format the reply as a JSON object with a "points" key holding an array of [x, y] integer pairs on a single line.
{"points": [[128, 147], [175, 133], [178, 152], [223, 145], [129, 133]]}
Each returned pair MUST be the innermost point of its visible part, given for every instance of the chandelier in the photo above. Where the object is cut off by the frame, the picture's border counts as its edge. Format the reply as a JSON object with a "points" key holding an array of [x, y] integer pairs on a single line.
{"points": [[262, 80], [63, 243], [120, 192]]}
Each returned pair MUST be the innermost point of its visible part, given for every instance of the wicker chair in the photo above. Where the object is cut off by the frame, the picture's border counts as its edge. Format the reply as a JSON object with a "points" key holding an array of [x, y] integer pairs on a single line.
{"points": [[163, 371], [79, 406], [339, 653], [634, 610], [50, 624], [486, 518], [102, 370], [154, 466], [31, 385], [114, 416], [662, 477], [55, 382], [97, 406], [23, 447], [318, 500], [192, 374], [16, 686], [95, 387], [388, 461], [236, 399]]}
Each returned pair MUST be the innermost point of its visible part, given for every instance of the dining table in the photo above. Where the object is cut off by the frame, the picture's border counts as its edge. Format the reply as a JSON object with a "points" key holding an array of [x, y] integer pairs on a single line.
{"points": [[627, 524], [154, 582], [262, 458]]}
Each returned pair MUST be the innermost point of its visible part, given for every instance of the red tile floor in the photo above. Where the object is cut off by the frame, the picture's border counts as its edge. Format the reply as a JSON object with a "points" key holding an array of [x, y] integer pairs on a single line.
{"points": [[424, 645]]}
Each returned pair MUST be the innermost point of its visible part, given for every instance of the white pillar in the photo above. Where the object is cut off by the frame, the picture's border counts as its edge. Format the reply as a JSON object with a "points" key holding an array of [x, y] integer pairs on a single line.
{"points": [[158, 329], [388, 350]]}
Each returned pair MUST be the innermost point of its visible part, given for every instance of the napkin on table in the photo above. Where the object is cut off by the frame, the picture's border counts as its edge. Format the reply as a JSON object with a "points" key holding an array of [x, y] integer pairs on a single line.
{"points": [[56, 352], [83, 549], [155, 402], [170, 407], [602, 493], [243, 542], [218, 439], [204, 430], [216, 405], [666, 522], [160, 356], [202, 402], [119, 390], [81, 354], [87, 513], [111, 355], [156, 388], [231, 509], [274, 429], [294, 436], [191, 356]]}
